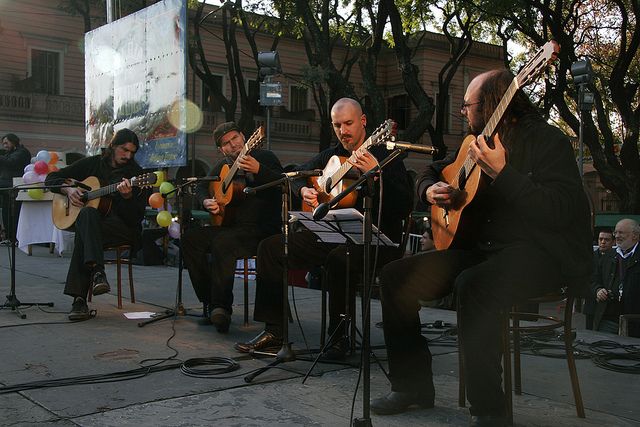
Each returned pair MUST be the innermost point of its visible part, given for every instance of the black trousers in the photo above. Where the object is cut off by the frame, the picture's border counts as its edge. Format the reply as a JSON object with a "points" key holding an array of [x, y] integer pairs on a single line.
{"points": [[93, 233], [486, 285], [306, 252], [213, 280]]}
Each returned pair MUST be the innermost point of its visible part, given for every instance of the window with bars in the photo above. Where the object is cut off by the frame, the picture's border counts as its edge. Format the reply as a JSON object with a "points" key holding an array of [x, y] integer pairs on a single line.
{"points": [[45, 71], [298, 98], [209, 102]]}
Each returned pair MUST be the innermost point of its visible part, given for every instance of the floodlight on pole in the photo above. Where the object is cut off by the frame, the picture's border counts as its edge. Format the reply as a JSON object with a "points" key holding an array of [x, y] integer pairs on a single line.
{"points": [[582, 77], [270, 93]]}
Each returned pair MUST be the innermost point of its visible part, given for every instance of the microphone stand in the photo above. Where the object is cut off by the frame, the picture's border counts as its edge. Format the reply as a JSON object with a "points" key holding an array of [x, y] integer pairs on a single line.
{"points": [[367, 226], [12, 300], [285, 354], [179, 307]]}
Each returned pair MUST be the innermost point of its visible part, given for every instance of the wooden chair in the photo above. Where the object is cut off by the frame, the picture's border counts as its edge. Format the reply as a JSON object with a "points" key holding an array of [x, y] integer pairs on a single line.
{"points": [[551, 323], [246, 271], [118, 261]]}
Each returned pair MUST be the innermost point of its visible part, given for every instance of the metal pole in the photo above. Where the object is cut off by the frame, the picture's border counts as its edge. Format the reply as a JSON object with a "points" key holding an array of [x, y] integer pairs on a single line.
{"points": [[109, 11], [581, 131]]}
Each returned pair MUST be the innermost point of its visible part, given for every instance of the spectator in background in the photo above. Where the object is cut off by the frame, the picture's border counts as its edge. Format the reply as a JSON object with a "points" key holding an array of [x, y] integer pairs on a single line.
{"points": [[618, 291], [603, 252], [426, 241], [12, 164]]}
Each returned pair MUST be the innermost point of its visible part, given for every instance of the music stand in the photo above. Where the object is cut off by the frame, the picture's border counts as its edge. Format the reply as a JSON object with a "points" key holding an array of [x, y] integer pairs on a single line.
{"points": [[12, 300], [367, 227], [179, 307]]}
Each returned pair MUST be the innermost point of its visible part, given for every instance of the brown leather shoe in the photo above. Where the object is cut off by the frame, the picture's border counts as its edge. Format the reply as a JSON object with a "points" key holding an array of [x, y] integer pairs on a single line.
{"points": [[263, 340]]}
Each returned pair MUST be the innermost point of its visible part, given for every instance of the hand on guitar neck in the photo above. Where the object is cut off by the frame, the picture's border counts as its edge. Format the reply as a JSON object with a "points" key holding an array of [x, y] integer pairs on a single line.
{"points": [[364, 161], [490, 160]]}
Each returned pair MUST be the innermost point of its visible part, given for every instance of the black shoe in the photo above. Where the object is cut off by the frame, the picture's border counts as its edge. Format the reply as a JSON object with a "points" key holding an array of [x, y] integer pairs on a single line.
{"points": [[337, 350], [220, 318], [79, 309], [263, 340], [99, 283], [488, 421], [398, 401]]}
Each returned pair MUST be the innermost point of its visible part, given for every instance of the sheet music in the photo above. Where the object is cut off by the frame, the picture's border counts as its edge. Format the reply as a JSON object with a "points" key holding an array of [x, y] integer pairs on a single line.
{"points": [[338, 225]]}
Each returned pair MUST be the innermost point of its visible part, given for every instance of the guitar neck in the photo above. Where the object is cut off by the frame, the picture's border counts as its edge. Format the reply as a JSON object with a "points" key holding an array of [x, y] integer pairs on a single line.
{"points": [[493, 121], [346, 166], [102, 191]]}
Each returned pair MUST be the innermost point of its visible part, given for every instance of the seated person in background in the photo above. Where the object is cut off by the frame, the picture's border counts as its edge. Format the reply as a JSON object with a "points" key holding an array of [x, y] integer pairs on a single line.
{"points": [[617, 281], [247, 220], [426, 241], [602, 253], [306, 252], [95, 230]]}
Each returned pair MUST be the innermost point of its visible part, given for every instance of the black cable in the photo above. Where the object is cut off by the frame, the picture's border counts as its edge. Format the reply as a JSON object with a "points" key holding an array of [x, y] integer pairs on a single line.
{"points": [[214, 367]]}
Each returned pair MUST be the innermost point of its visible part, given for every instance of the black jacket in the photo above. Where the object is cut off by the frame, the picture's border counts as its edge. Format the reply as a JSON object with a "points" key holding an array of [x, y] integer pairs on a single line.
{"points": [[261, 209], [538, 198], [12, 164], [131, 211], [397, 198]]}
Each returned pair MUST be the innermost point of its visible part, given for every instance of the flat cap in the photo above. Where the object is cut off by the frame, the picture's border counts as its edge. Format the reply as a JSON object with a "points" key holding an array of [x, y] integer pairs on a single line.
{"points": [[222, 129]]}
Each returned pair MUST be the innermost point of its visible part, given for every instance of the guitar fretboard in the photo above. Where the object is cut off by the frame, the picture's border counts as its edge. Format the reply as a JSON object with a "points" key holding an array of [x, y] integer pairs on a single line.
{"points": [[489, 129], [105, 191]]}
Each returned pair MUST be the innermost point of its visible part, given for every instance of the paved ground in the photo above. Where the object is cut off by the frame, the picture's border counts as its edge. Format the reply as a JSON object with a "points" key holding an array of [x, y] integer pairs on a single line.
{"points": [[46, 347]]}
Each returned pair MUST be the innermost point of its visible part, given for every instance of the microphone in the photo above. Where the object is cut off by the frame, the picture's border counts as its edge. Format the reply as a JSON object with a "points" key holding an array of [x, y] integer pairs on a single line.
{"points": [[321, 211], [201, 179], [416, 148], [303, 174], [82, 185]]}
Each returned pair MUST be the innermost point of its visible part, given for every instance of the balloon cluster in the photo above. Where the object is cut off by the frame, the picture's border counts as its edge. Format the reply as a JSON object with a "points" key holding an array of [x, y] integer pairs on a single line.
{"points": [[157, 201], [35, 172]]}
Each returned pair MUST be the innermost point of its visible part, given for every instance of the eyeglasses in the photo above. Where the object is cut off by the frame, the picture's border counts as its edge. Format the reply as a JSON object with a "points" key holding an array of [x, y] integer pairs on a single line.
{"points": [[466, 105]]}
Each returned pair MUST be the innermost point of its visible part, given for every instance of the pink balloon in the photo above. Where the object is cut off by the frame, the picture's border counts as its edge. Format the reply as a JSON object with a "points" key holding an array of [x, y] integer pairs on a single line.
{"points": [[42, 177], [174, 230], [31, 177], [41, 167]]}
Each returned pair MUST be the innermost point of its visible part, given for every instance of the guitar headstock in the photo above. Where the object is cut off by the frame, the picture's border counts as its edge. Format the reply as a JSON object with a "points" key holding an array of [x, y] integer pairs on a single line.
{"points": [[144, 180], [255, 140], [543, 57], [387, 131]]}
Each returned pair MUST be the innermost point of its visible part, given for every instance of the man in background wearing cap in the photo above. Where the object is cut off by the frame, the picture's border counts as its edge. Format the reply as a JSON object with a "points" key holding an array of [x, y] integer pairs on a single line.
{"points": [[247, 220], [93, 231]]}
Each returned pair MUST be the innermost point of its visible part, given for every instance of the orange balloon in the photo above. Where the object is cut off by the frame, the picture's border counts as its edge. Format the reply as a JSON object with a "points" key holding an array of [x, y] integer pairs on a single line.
{"points": [[54, 157], [53, 168], [156, 200]]}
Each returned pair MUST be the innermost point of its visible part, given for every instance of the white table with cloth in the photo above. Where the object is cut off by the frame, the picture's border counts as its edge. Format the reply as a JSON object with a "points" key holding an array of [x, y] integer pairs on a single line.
{"points": [[36, 226]]}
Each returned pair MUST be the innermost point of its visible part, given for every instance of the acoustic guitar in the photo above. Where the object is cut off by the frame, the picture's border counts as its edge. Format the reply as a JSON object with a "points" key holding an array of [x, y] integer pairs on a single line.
{"points": [[229, 189], [64, 213], [450, 225], [333, 180]]}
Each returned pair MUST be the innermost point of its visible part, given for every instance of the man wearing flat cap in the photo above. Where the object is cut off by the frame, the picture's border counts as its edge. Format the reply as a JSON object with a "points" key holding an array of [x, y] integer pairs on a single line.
{"points": [[95, 230], [210, 252]]}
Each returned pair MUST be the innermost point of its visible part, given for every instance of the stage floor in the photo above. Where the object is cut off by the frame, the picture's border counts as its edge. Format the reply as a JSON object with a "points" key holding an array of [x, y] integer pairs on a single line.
{"points": [[46, 347]]}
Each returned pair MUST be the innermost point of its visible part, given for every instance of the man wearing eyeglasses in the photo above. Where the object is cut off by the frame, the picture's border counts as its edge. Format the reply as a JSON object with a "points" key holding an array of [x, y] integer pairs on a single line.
{"points": [[530, 234], [617, 285], [210, 253]]}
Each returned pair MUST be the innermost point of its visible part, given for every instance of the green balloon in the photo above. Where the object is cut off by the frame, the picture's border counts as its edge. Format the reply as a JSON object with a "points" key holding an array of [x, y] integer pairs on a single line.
{"points": [[163, 218], [36, 193], [166, 187]]}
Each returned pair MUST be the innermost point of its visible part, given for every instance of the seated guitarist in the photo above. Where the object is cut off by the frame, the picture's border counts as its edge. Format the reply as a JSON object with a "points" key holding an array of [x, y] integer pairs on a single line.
{"points": [[306, 252], [532, 236], [93, 229], [246, 222]]}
